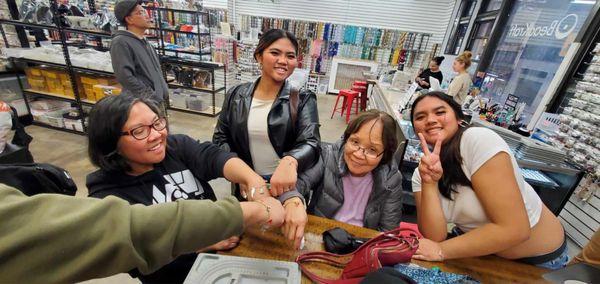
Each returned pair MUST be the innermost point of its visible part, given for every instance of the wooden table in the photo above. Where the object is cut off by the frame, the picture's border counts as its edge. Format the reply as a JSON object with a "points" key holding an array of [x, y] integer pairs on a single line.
{"points": [[272, 245]]}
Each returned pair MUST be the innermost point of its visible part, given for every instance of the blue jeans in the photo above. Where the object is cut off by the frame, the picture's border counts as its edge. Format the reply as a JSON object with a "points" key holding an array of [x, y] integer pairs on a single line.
{"points": [[557, 263]]}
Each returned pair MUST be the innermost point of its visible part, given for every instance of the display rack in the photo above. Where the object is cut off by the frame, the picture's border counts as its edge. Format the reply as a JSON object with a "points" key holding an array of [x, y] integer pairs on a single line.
{"points": [[190, 98], [168, 19], [64, 35]]}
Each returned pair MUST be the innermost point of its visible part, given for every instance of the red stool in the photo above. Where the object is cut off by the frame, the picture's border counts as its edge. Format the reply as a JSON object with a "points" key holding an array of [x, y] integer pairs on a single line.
{"points": [[363, 95], [349, 96]]}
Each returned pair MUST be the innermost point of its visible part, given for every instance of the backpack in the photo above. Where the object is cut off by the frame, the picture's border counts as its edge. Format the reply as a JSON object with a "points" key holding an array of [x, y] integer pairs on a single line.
{"points": [[32, 179]]}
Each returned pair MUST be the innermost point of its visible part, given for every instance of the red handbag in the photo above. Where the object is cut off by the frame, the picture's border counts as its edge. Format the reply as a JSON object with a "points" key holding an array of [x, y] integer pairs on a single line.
{"points": [[386, 249]]}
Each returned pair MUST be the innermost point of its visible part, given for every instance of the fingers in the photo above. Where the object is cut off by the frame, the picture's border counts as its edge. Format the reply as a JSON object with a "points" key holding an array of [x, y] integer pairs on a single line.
{"points": [[299, 235], [424, 144], [438, 146]]}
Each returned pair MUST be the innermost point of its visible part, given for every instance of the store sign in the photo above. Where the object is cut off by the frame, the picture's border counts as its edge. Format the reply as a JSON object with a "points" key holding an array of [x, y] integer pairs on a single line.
{"points": [[558, 28]]}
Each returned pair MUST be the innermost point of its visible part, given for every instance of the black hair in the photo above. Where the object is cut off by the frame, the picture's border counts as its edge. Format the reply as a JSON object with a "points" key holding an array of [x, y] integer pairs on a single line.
{"points": [[272, 36], [389, 135], [438, 60], [450, 155], [106, 122]]}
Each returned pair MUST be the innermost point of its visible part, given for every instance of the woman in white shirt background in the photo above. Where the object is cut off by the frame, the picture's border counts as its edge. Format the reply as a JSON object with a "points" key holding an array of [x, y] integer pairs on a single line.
{"points": [[460, 85], [472, 179]]}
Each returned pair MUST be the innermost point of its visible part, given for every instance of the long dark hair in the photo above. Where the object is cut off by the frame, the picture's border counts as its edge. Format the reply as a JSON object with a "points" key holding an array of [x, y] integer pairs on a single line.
{"points": [[272, 36], [450, 154], [106, 122], [438, 60], [389, 135]]}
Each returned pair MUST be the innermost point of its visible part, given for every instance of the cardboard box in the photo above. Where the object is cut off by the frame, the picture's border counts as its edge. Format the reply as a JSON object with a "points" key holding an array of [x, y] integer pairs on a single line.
{"points": [[50, 74], [101, 91], [54, 84], [37, 84], [33, 72]]}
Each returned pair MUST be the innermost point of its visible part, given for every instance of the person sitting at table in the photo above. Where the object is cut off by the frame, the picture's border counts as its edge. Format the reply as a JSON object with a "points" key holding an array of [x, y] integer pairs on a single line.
{"points": [[432, 71], [140, 162], [356, 180], [471, 179]]}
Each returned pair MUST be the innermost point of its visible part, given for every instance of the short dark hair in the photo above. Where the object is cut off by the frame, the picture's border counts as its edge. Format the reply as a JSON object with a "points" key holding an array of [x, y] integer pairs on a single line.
{"points": [[106, 122], [450, 156], [389, 135], [272, 36]]}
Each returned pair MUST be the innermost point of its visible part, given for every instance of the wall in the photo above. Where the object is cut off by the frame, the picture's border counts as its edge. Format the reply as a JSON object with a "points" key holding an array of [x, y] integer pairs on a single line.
{"points": [[426, 16]]}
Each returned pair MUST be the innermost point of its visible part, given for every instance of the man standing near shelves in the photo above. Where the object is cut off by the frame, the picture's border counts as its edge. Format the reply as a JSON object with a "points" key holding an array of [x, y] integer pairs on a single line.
{"points": [[135, 61]]}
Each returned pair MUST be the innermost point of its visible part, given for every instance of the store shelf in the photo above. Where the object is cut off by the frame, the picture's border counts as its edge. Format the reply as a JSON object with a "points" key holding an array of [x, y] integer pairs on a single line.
{"points": [[182, 32], [175, 10], [28, 25], [38, 123], [205, 90], [88, 32], [199, 64], [183, 51], [49, 95], [208, 112], [59, 65]]}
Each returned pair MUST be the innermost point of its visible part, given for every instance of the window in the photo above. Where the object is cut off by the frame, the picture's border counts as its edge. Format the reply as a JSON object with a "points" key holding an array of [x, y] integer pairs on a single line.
{"points": [[483, 30], [530, 50], [461, 24], [491, 5]]}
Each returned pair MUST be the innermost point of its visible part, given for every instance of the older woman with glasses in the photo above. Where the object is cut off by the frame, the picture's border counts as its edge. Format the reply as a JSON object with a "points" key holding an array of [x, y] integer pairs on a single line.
{"points": [[141, 163], [356, 179]]}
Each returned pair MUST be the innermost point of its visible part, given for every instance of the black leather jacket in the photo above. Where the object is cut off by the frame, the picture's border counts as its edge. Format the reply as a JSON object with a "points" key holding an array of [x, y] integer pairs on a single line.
{"points": [[300, 142]]}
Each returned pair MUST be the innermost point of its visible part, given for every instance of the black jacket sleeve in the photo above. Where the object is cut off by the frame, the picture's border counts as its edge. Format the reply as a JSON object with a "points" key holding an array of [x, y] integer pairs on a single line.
{"points": [[221, 134], [306, 146], [310, 179], [205, 160], [391, 210]]}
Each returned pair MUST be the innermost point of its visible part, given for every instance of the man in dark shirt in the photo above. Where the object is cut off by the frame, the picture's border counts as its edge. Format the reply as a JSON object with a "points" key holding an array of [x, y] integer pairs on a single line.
{"points": [[135, 62]]}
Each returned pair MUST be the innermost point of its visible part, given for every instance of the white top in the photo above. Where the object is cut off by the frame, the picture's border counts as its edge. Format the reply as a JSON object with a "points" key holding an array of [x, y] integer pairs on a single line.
{"points": [[459, 87], [264, 157], [477, 146]]}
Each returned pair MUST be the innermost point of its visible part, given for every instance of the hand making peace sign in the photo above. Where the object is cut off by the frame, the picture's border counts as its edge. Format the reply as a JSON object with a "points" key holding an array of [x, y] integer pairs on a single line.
{"points": [[430, 167]]}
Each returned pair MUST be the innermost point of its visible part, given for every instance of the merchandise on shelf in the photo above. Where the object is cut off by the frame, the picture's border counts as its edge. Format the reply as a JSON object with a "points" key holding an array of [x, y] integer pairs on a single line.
{"points": [[247, 67], [84, 58], [320, 42], [93, 88]]}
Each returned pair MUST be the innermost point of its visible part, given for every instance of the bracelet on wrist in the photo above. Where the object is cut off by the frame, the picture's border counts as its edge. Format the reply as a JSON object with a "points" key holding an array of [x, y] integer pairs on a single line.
{"points": [[268, 208]]}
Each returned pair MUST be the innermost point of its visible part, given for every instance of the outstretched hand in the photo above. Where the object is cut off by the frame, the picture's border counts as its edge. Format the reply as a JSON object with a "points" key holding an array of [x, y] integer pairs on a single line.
{"points": [[430, 167]]}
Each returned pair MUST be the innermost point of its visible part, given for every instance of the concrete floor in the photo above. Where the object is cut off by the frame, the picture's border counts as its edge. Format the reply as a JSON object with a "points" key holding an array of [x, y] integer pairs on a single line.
{"points": [[69, 151]]}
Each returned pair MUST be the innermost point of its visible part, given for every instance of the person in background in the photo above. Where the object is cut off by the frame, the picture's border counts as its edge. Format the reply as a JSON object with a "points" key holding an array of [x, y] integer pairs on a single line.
{"points": [[135, 62], [273, 128], [460, 85], [141, 163], [356, 180], [472, 179], [432, 71], [52, 238]]}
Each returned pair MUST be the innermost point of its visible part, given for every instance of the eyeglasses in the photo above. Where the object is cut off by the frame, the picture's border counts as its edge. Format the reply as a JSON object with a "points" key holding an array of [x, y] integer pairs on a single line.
{"points": [[370, 153], [143, 131]]}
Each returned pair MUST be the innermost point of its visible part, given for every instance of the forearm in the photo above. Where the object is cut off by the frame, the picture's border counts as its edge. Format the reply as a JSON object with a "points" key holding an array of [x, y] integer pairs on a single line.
{"points": [[430, 216], [71, 239], [236, 171], [488, 239]]}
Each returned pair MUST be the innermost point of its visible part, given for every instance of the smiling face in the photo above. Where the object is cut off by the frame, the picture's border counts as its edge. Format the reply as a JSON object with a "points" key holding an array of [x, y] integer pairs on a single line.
{"points": [[278, 60], [435, 119], [368, 138], [141, 155], [433, 66]]}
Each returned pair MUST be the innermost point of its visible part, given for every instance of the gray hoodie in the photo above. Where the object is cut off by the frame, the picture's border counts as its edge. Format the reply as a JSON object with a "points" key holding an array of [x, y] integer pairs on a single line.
{"points": [[137, 66]]}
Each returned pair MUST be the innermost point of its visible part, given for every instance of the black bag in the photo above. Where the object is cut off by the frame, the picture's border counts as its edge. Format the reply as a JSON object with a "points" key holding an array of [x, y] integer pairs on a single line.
{"points": [[32, 179], [339, 241], [387, 275]]}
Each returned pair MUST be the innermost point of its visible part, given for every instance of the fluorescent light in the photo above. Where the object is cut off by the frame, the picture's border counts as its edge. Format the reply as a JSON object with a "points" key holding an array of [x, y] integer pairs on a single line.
{"points": [[587, 2]]}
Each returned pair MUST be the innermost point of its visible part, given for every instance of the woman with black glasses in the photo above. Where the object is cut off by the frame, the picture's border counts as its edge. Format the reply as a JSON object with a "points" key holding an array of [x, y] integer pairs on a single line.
{"points": [[356, 180], [141, 163]]}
